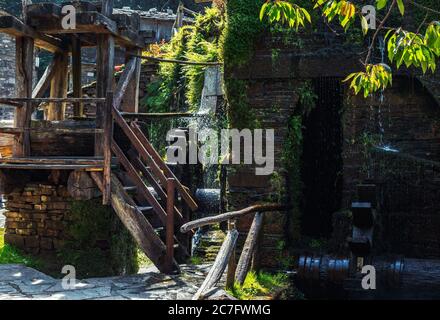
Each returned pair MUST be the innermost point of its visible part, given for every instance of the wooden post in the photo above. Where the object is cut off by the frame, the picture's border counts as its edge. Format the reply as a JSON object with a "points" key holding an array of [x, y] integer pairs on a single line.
{"points": [[170, 224], [107, 141], [58, 88], [78, 110], [130, 103], [249, 248], [232, 265], [107, 7], [23, 76], [105, 69]]}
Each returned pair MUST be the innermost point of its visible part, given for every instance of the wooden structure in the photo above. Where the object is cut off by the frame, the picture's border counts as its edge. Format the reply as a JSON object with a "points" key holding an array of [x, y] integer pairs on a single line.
{"points": [[226, 256], [125, 174]]}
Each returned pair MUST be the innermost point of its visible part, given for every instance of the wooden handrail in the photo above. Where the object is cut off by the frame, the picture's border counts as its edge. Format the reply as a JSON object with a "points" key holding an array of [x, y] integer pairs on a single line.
{"points": [[163, 166], [231, 215]]}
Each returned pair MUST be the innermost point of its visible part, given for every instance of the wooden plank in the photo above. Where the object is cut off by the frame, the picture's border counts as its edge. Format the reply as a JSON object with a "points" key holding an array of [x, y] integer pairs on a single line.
{"points": [[58, 87], [16, 28], [155, 116], [104, 81], [78, 107], [54, 160], [86, 22], [232, 264], [139, 146], [219, 266], [130, 102], [44, 83], [124, 82], [170, 225], [168, 173], [142, 188], [49, 100], [139, 227], [24, 72], [107, 7], [50, 166], [137, 163], [231, 215], [107, 145], [249, 248], [51, 130]]}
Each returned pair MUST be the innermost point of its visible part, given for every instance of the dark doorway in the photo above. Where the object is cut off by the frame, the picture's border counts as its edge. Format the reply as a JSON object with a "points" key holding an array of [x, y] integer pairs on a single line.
{"points": [[322, 159]]}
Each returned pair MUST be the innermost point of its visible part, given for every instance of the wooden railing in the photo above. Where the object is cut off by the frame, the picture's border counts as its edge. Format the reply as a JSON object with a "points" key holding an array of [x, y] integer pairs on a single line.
{"points": [[226, 256]]}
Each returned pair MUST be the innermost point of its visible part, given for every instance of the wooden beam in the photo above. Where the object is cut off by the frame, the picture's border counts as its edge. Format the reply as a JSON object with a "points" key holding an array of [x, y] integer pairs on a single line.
{"points": [[49, 100], [168, 173], [231, 215], [155, 116], [55, 160], [107, 148], [124, 82], [104, 81], [24, 73], [58, 88], [249, 248], [130, 102], [138, 226], [219, 266], [232, 263], [78, 107], [107, 7], [16, 28], [170, 225], [44, 83]]}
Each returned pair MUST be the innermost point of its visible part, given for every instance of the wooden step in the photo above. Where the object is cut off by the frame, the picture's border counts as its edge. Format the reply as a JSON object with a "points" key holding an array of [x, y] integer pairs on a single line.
{"points": [[130, 189]]}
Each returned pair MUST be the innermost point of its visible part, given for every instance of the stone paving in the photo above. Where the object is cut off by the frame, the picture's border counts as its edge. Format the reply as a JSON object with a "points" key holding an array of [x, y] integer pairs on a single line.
{"points": [[18, 282]]}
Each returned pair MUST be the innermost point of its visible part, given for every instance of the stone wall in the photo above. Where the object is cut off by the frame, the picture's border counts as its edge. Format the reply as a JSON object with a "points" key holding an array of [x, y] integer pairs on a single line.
{"points": [[36, 217], [407, 119]]}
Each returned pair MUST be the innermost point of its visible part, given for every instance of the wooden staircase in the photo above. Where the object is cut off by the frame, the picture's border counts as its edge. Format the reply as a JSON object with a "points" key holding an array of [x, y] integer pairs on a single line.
{"points": [[148, 198], [151, 202]]}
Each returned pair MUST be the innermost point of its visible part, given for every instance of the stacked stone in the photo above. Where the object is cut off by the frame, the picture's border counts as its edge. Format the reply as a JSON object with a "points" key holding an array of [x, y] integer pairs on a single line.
{"points": [[36, 217]]}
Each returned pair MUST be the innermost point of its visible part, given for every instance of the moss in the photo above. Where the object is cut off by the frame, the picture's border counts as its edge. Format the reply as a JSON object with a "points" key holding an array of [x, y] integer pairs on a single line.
{"points": [[259, 284], [98, 245], [11, 255]]}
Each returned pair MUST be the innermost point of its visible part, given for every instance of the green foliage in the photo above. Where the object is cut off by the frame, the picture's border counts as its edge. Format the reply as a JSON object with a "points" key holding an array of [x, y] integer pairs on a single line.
{"points": [[11, 255], [291, 158], [240, 114], [344, 10], [285, 12], [376, 77], [404, 47], [243, 27], [98, 245], [414, 49], [259, 284], [307, 97], [199, 43]]}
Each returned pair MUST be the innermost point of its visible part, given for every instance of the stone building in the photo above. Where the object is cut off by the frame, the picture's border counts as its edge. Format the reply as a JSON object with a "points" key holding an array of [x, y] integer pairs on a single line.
{"points": [[404, 122]]}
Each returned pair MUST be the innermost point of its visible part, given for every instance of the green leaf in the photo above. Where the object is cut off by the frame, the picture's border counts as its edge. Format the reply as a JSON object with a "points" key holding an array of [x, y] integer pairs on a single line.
{"points": [[263, 10], [401, 7], [364, 24], [380, 4]]}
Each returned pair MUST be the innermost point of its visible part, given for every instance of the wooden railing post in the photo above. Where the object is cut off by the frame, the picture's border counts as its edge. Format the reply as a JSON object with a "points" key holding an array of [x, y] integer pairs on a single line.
{"points": [[170, 224], [107, 148], [232, 264]]}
